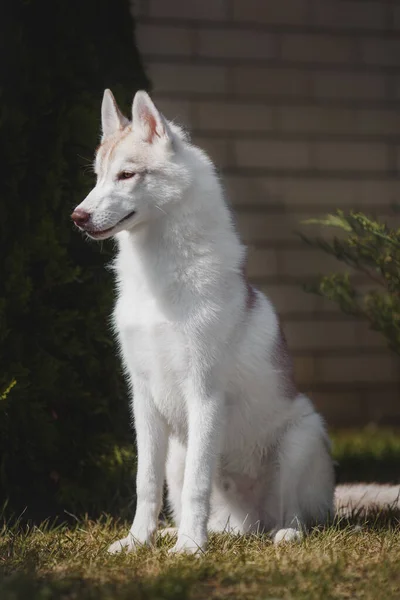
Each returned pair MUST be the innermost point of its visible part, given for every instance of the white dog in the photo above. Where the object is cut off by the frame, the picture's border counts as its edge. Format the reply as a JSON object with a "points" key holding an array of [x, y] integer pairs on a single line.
{"points": [[216, 410]]}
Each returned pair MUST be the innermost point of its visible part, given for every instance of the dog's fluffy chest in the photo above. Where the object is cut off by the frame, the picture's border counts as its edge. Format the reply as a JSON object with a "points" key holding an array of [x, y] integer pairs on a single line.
{"points": [[155, 353]]}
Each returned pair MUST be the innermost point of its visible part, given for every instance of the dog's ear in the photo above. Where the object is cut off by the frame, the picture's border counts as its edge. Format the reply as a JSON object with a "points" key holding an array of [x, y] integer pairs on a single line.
{"points": [[147, 119], [112, 119]]}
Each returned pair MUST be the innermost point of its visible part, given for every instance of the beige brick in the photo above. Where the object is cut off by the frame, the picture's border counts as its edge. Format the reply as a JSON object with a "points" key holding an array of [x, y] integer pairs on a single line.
{"points": [[292, 192], [395, 82], [233, 117], [355, 369], [391, 219], [289, 298], [243, 191], [192, 78], [261, 263], [354, 86], [290, 12], [396, 17], [368, 338], [350, 15], [380, 51], [316, 119], [271, 81], [376, 192], [381, 192], [350, 156], [260, 226], [383, 407], [189, 9], [324, 305], [381, 122], [319, 335], [163, 41], [272, 154], [341, 409], [304, 370], [306, 262], [317, 48], [176, 110], [238, 44], [322, 195], [138, 8], [217, 149]]}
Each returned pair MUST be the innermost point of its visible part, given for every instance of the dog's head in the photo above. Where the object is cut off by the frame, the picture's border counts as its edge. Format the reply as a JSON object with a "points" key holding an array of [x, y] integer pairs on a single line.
{"points": [[140, 166]]}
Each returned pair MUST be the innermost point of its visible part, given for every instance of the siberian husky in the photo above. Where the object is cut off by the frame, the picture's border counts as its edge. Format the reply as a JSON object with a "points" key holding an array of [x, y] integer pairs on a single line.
{"points": [[216, 410]]}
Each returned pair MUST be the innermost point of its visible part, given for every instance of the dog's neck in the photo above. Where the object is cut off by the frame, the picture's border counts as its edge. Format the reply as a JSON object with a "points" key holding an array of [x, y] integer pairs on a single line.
{"points": [[183, 253]]}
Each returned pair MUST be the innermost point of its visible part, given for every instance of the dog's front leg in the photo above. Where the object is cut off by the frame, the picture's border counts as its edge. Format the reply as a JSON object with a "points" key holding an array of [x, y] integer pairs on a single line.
{"points": [[152, 442], [204, 442]]}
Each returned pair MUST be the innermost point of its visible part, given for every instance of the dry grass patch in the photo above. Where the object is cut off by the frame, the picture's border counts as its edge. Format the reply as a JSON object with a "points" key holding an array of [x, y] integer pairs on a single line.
{"points": [[71, 563]]}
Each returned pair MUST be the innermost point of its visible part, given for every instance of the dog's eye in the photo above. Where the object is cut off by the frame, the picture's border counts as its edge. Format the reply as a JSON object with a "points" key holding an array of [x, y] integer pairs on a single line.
{"points": [[126, 175]]}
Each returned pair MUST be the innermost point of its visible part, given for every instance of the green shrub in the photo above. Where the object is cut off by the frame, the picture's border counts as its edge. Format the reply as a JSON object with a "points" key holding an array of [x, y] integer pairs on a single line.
{"points": [[64, 426], [370, 454], [372, 250]]}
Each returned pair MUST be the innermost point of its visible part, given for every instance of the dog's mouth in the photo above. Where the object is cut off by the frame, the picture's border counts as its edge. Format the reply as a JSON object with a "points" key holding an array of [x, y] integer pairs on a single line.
{"points": [[96, 233]]}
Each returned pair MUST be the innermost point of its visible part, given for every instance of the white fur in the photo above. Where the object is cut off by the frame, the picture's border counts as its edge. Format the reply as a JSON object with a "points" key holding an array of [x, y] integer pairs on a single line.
{"points": [[211, 410], [362, 498]]}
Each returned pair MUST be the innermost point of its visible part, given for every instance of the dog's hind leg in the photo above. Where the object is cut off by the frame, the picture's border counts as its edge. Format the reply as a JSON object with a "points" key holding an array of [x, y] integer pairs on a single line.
{"points": [[304, 483]]}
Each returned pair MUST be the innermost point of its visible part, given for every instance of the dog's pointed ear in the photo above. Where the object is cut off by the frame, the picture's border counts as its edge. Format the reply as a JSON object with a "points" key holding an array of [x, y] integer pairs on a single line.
{"points": [[112, 119], [147, 119]]}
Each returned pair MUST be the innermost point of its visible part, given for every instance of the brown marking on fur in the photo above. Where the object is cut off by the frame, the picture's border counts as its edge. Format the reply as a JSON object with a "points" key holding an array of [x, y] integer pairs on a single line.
{"points": [[107, 146], [110, 139], [152, 125], [283, 363], [151, 122], [251, 295]]}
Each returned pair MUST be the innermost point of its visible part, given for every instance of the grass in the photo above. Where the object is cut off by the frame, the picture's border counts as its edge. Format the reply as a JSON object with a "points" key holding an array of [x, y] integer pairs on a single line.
{"points": [[346, 560], [72, 563]]}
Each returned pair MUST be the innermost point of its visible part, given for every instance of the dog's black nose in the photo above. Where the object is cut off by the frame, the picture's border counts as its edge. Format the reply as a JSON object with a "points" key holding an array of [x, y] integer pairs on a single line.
{"points": [[80, 217]]}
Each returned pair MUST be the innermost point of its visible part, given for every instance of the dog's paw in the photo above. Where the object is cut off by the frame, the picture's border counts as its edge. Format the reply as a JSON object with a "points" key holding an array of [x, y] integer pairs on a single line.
{"points": [[126, 544], [287, 535], [186, 545]]}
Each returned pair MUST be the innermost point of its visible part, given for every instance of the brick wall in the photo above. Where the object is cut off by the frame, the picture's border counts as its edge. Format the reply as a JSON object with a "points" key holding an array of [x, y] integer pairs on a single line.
{"points": [[297, 103]]}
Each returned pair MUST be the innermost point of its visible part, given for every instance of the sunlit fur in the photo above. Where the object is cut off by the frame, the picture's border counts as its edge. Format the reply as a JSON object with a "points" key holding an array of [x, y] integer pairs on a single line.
{"points": [[215, 409]]}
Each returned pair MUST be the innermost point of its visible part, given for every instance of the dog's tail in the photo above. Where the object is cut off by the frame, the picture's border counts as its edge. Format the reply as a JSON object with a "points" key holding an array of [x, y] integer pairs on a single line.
{"points": [[362, 498]]}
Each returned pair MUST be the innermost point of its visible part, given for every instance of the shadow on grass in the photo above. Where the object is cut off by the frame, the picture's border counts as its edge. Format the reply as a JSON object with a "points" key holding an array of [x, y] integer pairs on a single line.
{"points": [[374, 520], [26, 585], [93, 578]]}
